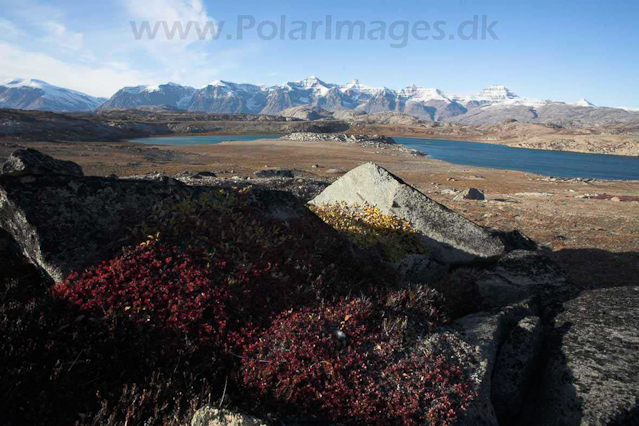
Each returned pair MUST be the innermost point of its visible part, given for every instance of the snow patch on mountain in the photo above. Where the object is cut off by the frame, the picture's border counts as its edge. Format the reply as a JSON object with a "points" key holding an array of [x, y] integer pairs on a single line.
{"points": [[583, 102]]}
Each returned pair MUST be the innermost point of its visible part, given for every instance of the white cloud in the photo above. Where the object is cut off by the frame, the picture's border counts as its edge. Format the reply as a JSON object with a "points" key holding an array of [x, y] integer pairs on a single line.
{"points": [[102, 61], [9, 31], [173, 12], [60, 35], [95, 81]]}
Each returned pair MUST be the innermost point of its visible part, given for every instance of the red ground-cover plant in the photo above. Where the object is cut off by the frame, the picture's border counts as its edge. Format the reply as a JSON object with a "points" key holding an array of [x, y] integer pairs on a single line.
{"points": [[337, 361], [155, 284], [272, 307]]}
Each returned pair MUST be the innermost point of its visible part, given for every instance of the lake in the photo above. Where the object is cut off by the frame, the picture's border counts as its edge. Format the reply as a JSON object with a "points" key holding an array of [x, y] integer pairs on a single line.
{"points": [[551, 163]]}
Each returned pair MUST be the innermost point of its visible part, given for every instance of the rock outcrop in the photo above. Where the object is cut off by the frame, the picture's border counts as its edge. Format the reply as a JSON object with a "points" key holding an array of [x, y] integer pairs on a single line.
{"points": [[450, 237], [27, 161], [591, 377], [366, 141], [65, 222], [515, 368], [475, 342], [521, 275]]}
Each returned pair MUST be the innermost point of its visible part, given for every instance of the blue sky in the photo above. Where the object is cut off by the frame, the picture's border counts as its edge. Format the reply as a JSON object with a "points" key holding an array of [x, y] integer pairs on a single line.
{"points": [[560, 50]]}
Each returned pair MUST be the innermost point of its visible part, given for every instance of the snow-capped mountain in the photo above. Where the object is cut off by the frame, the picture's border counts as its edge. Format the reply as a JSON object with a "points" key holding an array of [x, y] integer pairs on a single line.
{"points": [[583, 102], [38, 95], [491, 105], [630, 109], [171, 94]]}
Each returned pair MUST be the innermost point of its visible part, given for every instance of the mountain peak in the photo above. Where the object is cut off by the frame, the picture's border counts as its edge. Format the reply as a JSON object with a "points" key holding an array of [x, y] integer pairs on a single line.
{"points": [[583, 102], [26, 93], [26, 82], [497, 92], [312, 81]]}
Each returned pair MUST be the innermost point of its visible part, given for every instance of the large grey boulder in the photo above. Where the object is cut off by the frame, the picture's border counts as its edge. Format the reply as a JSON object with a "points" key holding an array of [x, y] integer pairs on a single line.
{"points": [[64, 223], [450, 237], [521, 275], [27, 161], [592, 377]]}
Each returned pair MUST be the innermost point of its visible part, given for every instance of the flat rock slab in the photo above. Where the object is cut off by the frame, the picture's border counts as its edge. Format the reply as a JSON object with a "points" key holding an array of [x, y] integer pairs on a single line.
{"points": [[451, 237], [593, 373]]}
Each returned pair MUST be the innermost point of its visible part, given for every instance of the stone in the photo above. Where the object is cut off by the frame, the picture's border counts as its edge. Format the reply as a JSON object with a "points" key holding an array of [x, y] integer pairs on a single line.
{"points": [[418, 268], [474, 341], [520, 275], [64, 223], [27, 161], [205, 174], [591, 377], [273, 173], [208, 416], [450, 237], [335, 171], [515, 367], [470, 194]]}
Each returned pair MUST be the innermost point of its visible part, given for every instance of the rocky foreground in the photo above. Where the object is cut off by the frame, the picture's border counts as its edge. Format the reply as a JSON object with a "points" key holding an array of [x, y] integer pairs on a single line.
{"points": [[521, 344]]}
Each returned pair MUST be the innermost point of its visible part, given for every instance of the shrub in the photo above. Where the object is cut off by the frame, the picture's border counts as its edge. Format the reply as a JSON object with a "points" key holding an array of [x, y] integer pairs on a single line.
{"points": [[366, 226], [155, 284], [59, 364], [336, 360]]}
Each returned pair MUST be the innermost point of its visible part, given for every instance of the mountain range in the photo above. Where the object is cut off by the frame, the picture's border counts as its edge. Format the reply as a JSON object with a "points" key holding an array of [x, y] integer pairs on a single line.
{"points": [[491, 105]]}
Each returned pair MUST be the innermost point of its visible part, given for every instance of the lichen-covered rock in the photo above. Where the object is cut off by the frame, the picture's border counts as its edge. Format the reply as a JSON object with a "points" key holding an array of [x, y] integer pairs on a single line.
{"points": [[518, 276], [474, 342], [451, 237], [592, 375], [27, 161], [208, 416], [514, 369], [418, 268], [65, 223]]}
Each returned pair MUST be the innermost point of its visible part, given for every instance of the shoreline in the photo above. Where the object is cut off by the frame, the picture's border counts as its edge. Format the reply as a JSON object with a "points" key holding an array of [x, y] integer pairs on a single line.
{"points": [[408, 148]]}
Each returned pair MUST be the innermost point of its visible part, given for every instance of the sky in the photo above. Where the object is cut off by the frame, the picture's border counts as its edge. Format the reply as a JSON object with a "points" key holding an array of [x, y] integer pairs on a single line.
{"points": [[559, 50]]}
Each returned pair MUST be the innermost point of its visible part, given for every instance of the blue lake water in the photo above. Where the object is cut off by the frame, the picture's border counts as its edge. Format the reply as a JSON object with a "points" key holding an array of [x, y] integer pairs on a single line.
{"points": [[551, 163], [203, 140]]}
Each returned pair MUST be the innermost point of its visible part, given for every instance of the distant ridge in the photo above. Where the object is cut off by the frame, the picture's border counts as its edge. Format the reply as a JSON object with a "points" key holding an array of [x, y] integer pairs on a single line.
{"points": [[32, 94]]}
